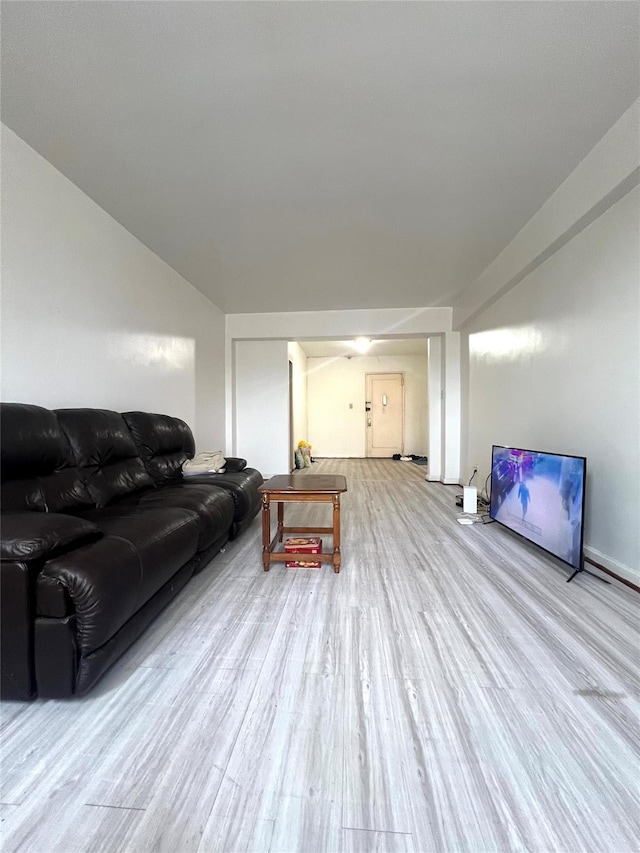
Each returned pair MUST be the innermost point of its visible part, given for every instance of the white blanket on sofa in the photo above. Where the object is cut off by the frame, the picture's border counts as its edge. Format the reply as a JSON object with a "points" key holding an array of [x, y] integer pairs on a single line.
{"points": [[207, 462]]}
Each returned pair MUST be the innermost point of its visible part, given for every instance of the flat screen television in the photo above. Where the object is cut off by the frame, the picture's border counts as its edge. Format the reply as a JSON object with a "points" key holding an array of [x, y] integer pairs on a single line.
{"points": [[541, 497]]}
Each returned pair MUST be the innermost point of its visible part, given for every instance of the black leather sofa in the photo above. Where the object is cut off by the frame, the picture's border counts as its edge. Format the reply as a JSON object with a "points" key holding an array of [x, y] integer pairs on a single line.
{"points": [[100, 531], [165, 443]]}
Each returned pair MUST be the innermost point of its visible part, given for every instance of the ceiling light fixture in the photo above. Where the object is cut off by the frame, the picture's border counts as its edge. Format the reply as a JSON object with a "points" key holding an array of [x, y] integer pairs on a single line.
{"points": [[362, 344]]}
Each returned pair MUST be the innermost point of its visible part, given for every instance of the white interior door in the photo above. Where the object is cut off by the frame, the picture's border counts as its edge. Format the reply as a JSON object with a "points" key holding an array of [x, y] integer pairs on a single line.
{"points": [[385, 414]]}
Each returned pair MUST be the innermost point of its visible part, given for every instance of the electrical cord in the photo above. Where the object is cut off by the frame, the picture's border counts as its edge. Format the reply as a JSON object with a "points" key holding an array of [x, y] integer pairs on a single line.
{"points": [[484, 503], [487, 497], [483, 516]]}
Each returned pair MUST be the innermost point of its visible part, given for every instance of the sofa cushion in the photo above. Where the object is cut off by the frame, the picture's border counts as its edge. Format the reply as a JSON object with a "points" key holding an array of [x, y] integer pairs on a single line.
{"points": [[34, 535], [105, 453], [38, 469], [214, 507], [242, 486], [108, 581], [164, 444]]}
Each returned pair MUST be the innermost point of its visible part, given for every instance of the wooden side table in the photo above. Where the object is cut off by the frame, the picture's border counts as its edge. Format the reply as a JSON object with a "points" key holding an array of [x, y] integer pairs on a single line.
{"points": [[310, 488]]}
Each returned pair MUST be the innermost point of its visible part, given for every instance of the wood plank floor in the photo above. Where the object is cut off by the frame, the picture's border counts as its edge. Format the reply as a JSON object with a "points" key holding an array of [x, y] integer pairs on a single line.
{"points": [[447, 691]]}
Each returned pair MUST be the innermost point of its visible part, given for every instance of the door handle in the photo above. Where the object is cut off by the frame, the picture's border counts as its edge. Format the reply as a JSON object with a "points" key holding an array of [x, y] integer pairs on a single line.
{"points": [[368, 421]]}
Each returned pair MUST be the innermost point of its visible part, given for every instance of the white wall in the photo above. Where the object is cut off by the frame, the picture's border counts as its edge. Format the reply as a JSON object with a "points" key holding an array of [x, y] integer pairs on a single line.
{"points": [[90, 316], [451, 409], [436, 416], [340, 325], [555, 366], [261, 411], [550, 344], [333, 384], [298, 359]]}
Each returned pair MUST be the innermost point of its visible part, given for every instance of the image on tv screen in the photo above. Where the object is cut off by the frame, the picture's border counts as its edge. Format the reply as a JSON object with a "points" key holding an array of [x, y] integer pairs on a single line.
{"points": [[541, 497]]}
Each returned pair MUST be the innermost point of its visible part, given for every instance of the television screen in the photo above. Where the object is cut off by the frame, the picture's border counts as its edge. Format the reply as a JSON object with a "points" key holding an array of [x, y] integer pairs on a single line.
{"points": [[541, 497]]}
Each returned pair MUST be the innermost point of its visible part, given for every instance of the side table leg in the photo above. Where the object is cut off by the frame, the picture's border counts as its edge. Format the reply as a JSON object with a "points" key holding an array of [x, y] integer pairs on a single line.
{"points": [[266, 532], [337, 557], [280, 519]]}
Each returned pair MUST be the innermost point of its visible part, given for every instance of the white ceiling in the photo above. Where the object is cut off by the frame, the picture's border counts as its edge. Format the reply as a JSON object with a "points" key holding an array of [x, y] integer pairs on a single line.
{"points": [[379, 346], [305, 156]]}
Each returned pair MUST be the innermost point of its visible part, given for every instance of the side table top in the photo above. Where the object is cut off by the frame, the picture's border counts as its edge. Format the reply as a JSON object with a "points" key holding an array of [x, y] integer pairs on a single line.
{"points": [[329, 483]]}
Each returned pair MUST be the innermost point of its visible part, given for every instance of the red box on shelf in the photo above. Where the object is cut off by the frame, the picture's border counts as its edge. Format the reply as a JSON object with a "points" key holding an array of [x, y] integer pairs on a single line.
{"points": [[310, 545]]}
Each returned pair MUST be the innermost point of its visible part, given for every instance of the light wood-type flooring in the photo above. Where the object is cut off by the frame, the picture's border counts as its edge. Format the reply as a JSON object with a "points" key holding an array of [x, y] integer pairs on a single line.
{"points": [[447, 691]]}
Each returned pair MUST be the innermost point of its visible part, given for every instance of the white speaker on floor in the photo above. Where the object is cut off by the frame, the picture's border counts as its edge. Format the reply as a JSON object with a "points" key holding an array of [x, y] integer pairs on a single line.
{"points": [[470, 499]]}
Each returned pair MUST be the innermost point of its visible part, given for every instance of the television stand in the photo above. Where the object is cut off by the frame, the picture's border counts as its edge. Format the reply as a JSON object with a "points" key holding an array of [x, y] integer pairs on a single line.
{"points": [[586, 571]]}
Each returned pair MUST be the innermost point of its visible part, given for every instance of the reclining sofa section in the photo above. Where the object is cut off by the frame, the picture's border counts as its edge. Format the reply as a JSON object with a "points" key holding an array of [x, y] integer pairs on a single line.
{"points": [[99, 532]]}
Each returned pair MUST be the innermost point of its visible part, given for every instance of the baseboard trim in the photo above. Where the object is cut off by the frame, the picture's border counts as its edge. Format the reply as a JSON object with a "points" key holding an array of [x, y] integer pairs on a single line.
{"points": [[611, 567]]}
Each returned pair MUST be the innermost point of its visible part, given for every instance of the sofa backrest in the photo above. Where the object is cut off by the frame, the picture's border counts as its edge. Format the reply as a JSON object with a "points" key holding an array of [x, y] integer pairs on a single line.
{"points": [[164, 444], [105, 453], [39, 472]]}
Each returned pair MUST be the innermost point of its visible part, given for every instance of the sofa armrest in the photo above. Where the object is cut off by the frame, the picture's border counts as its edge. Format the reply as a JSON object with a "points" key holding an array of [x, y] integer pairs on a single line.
{"points": [[30, 536], [234, 463], [27, 540]]}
